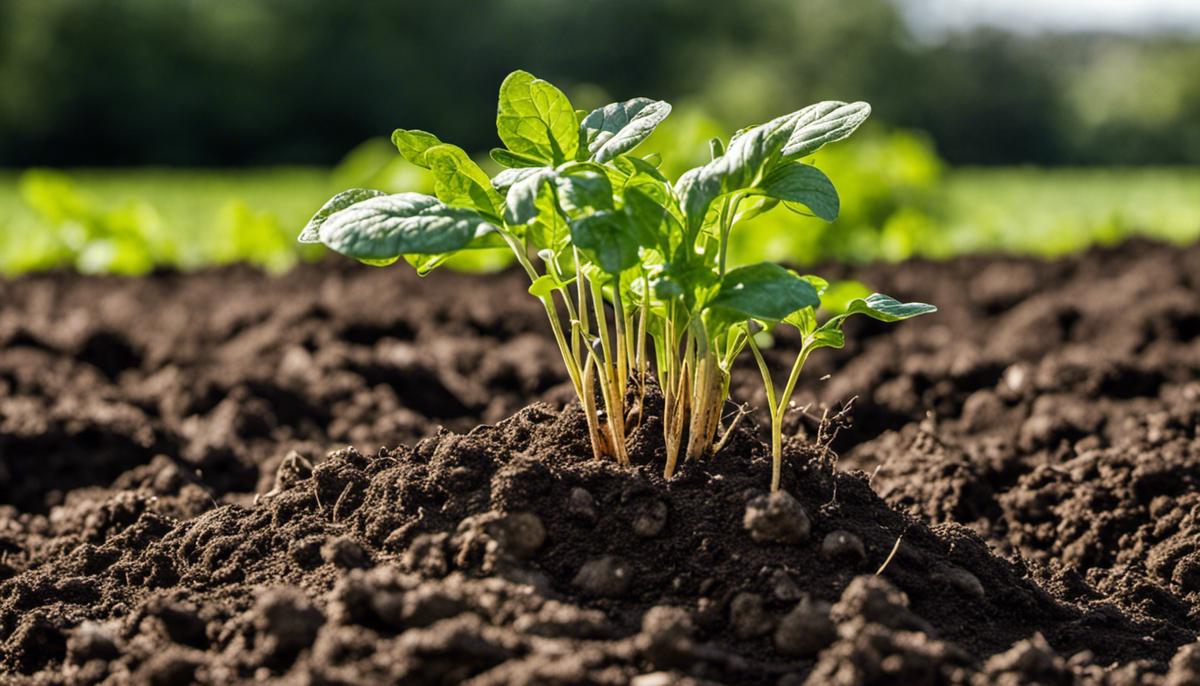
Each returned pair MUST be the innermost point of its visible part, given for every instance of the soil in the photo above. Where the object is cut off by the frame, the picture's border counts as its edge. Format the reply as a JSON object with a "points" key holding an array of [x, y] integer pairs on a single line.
{"points": [[179, 501]]}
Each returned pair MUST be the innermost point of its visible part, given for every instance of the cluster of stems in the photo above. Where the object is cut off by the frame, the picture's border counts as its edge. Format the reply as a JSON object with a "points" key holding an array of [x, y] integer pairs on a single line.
{"points": [[606, 338]]}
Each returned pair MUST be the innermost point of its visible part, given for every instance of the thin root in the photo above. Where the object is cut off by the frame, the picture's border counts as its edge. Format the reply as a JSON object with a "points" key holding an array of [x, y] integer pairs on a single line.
{"points": [[892, 554], [742, 411]]}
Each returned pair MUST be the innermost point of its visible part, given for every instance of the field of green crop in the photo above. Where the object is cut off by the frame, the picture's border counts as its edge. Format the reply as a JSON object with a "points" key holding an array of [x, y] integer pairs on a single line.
{"points": [[1053, 212], [127, 221]]}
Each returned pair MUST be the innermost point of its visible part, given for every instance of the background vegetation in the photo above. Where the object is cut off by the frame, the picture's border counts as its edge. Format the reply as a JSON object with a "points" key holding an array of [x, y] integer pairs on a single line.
{"points": [[217, 96]]}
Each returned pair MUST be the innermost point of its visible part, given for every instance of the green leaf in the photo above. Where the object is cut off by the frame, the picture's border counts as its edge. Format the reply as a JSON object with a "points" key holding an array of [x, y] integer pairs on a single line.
{"points": [[754, 205], [762, 291], [618, 128], [339, 202], [887, 309], [468, 256], [746, 159], [388, 261], [877, 306], [535, 119], [543, 286], [549, 232], [459, 182], [822, 123], [805, 318], [819, 285], [412, 144], [805, 184], [636, 166], [814, 126], [828, 336], [653, 223], [403, 224], [584, 190], [510, 159], [521, 201], [507, 178], [716, 148], [609, 237]]}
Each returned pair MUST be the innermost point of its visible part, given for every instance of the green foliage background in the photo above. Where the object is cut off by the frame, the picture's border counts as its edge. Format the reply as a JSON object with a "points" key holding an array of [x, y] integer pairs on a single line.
{"points": [[899, 200], [216, 96], [181, 82]]}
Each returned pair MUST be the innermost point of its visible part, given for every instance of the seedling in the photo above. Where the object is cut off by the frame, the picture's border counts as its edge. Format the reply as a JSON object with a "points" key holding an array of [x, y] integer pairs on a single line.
{"points": [[635, 262]]}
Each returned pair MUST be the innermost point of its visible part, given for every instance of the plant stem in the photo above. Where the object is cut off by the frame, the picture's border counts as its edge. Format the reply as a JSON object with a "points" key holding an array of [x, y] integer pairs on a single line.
{"points": [[621, 340], [707, 397], [728, 213], [588, 400], [675, 394], [725, 225], [611, 390], [778, 406]]}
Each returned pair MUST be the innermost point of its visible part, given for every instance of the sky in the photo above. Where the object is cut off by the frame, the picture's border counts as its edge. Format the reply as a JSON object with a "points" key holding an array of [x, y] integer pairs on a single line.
{"points": [[934, 17]]}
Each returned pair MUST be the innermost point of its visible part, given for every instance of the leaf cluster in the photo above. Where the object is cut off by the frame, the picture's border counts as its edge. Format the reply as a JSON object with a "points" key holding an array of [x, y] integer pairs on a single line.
{"points": [[630, 255]]}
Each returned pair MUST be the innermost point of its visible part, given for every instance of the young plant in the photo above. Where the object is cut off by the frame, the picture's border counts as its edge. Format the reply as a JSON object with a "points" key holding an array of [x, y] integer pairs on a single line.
{"points": [[630, 267], [825, 335]]}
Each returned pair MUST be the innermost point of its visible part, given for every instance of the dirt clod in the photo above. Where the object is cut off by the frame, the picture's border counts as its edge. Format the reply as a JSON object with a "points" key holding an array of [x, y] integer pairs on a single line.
{"points": [[667, 635], [844, 547], [605, 577], [873, 599], [345, 553], [582, 505], [777, 518], [805, 630], [748, 617], [651, 519]]}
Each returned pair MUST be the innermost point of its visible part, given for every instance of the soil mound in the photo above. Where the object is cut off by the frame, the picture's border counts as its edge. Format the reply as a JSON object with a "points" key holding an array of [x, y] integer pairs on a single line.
{"points": [[506, 555], [178, 504]]}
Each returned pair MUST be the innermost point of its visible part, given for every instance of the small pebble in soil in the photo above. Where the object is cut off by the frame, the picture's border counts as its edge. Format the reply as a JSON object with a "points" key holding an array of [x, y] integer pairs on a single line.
{"points": [[777, 518], [581, 505], [651, 519], [843, 546], [667, 637], [961, 580], [345, 553], [784, 587], [747, 616], [806, 630], [604, 577], [520, 533]]}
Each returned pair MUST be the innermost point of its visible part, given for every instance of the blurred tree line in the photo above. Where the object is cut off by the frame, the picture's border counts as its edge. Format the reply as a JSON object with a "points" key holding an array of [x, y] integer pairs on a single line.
{"points": [[205, 82]]}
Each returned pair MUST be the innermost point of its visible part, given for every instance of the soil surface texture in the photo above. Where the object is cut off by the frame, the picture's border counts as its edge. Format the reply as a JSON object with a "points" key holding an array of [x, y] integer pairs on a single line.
{"points": [[351, 475]]}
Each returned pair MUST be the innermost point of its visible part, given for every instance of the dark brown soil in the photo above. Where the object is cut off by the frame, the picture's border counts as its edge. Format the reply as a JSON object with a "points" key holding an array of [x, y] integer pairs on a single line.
{"points": [[170, 511]]}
